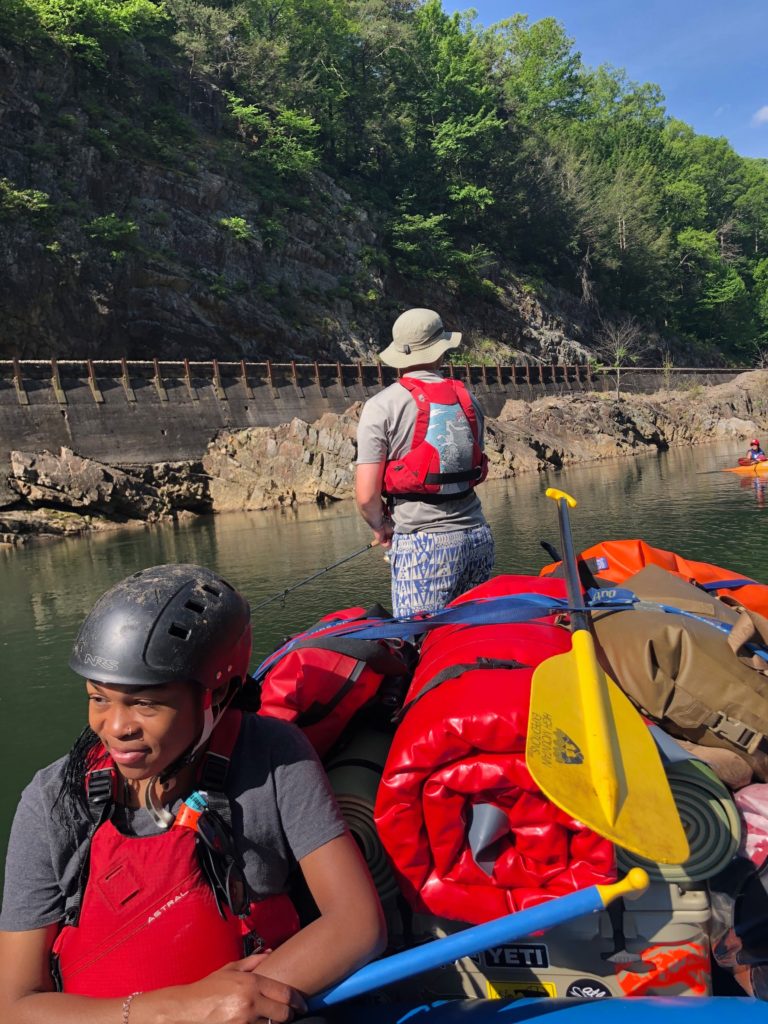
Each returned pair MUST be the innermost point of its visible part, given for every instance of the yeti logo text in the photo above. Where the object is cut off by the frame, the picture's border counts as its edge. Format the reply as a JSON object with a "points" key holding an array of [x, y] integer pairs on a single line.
{"points": [[96, 660]]}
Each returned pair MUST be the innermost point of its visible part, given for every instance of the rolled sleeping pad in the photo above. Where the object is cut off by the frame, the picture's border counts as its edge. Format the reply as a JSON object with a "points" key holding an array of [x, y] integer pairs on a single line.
{"points": [[711, 822], [452, 947], [354, 773]]}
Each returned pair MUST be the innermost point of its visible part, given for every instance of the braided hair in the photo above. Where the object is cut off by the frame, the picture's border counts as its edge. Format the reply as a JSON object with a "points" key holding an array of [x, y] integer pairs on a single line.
{"points": [[71, 802]]}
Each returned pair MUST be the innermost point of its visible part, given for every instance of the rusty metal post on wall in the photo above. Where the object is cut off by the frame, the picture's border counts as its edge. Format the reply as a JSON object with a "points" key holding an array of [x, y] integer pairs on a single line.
{"points": [[125, 380], [218, 387], [342, 385], [361, 377], [319, 383], [58, 390], [380, 374], [157, 380], [93, 383], [18, 381], [295, 375], [500, 378], [244, 379], [190, 385], [271, 379]]}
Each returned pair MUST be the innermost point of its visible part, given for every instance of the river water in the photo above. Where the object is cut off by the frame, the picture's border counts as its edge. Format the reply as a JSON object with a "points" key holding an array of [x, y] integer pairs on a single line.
{"points": [[679, 500]]}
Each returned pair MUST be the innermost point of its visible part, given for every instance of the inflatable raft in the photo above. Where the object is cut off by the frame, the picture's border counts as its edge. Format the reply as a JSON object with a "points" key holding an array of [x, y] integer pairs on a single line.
{"points": [[458, 836]]}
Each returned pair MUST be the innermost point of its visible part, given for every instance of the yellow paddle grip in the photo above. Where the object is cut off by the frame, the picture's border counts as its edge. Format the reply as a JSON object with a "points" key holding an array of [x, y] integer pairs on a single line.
{"points": [[632, 885], [552, 492]]}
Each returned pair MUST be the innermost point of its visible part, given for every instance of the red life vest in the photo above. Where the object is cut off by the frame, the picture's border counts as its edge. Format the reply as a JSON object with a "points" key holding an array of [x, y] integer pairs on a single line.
{"points": [[445, 449], [148, 917]]}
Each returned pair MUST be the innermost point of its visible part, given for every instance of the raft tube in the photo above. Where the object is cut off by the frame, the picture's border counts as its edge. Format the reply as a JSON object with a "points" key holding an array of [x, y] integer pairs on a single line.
{"points": [[714, 1010], [616, 560]]}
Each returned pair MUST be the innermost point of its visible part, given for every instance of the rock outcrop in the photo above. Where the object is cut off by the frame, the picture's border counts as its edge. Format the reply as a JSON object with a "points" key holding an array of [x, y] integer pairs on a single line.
{"points": [[298, 462]]}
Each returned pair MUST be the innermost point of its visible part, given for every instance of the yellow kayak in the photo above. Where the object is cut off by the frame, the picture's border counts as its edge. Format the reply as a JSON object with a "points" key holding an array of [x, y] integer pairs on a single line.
{"points": [[753, 469]]}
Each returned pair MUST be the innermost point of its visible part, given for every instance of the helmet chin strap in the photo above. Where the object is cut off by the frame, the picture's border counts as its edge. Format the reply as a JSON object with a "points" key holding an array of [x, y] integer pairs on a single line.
{"points": [[161, 815]]}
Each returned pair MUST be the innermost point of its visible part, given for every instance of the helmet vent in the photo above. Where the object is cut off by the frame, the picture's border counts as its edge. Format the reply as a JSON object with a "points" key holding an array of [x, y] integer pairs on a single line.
{"points": [[177, 630], [195, 606], [211, 590]]}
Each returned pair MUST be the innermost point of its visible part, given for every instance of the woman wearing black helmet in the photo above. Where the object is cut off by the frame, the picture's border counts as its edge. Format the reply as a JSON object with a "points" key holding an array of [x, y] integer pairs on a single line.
{"points": [[150, 865]]}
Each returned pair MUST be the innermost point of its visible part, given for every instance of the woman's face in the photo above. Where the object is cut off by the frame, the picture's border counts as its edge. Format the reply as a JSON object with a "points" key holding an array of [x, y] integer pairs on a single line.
{"points": [[145, 730]]}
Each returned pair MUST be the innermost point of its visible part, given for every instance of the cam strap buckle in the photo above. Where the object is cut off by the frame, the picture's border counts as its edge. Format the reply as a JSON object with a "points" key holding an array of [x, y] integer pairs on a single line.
{"points": [[214, 772], [100, 785], [736, 732]]}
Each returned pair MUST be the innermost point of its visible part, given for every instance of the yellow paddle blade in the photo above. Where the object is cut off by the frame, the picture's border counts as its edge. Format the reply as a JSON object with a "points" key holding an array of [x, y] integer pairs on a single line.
{"points": [[590, 752]]}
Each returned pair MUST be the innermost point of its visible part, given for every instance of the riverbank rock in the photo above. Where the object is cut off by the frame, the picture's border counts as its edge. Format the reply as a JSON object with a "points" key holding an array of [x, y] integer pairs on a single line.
{"points": [[265, 467], [69, 482], [299, 462]]}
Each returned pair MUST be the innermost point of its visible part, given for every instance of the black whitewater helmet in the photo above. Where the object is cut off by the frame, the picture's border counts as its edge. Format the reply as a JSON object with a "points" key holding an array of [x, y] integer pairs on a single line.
{"points": [[169, 623]]}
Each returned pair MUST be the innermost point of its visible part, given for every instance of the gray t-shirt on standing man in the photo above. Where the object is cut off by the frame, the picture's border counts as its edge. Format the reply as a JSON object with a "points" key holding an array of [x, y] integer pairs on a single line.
{"points": [[385, 431]]}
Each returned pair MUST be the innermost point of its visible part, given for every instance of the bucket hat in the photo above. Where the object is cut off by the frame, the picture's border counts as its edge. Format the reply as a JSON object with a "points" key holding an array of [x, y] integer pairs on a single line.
{"points": [[418, 336]]}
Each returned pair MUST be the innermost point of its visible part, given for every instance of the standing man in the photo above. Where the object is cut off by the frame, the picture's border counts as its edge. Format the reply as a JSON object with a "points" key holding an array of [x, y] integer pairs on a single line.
{"points": [[419, 458]]}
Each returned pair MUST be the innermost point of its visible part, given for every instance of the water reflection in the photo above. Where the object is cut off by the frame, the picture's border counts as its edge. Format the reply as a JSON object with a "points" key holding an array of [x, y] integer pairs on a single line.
{"points": [[679, 500], [756, 485]]}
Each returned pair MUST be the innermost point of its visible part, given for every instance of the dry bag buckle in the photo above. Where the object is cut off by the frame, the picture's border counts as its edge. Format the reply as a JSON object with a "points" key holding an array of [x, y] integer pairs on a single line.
{"points": [[736, 732]]}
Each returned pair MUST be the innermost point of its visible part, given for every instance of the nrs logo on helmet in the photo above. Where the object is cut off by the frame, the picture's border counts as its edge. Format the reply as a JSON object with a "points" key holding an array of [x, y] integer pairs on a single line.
{"points": [[98, 662]]}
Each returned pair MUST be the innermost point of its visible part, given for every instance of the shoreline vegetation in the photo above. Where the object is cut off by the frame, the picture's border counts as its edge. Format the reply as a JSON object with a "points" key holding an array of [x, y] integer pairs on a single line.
{"points": [[46, 495], [281, 180]]}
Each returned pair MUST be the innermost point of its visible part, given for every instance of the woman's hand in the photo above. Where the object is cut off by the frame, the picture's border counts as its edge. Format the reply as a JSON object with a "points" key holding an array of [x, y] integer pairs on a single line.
{"points": [[235, 994]]}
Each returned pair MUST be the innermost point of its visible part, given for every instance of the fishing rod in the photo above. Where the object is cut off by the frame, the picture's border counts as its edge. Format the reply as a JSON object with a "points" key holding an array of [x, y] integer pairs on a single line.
{"points": [[281, 596]]}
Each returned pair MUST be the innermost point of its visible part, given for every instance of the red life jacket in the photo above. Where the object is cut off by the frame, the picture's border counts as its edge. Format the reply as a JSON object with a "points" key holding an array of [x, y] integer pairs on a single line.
{"points": [[148, 917], [445, 448]]}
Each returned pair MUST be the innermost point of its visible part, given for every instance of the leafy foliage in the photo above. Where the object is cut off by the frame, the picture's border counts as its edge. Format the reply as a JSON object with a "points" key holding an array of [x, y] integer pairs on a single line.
{"points": [[470, 147], [16, 202]]}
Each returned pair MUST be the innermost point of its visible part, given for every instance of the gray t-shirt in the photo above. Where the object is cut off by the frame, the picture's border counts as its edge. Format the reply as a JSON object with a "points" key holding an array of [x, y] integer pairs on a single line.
{"points": [[385, 432], [282, 810]]}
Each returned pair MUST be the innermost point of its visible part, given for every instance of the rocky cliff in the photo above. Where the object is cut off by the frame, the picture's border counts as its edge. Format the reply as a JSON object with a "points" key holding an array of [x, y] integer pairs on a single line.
{"points": [[49, 494], [131, 226]]}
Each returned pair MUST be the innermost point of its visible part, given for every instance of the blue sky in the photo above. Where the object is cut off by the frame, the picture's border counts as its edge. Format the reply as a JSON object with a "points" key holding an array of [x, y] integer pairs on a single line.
{"points": [[710, 57]]}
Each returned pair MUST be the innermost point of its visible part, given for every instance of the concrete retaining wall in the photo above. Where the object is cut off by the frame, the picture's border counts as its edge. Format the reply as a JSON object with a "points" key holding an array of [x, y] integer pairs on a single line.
{"points": [[137, 412]]}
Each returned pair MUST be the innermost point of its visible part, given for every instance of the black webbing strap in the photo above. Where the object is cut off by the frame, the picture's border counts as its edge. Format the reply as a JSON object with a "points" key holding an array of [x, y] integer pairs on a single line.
{"points": [[453, 478], [213, 778], [453, 672], [100, 810], [430, 499]]}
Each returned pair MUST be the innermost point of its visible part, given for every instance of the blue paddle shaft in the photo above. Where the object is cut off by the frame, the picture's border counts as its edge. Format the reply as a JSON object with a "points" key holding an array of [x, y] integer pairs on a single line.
{"points": [[463, 943]]}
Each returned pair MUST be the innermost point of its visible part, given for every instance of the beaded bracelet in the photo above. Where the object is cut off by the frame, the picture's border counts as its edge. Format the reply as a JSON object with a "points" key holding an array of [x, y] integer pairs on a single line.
{"points": [[127, 1006]]}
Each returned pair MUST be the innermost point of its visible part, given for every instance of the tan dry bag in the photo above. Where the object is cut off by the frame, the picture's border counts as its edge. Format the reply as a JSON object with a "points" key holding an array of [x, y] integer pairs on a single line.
{"points": [[696, 682]]}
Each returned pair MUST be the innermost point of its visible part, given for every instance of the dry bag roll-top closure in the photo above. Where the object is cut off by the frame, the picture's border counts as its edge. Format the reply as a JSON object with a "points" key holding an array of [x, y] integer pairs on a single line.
{"points": [[445, 460]]}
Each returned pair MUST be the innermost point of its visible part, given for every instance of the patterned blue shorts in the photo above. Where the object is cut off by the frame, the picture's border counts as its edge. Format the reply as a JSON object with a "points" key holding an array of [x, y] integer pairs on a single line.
{"points": [[429, 569]]}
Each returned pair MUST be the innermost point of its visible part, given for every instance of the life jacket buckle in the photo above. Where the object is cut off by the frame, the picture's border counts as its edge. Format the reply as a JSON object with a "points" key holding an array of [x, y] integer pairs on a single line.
{"points": [[736, 732], [101, 782], [214, 773]]}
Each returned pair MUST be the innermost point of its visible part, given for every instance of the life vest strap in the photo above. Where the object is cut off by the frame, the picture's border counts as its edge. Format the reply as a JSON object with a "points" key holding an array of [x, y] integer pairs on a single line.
{"points": [[429, 499]]}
